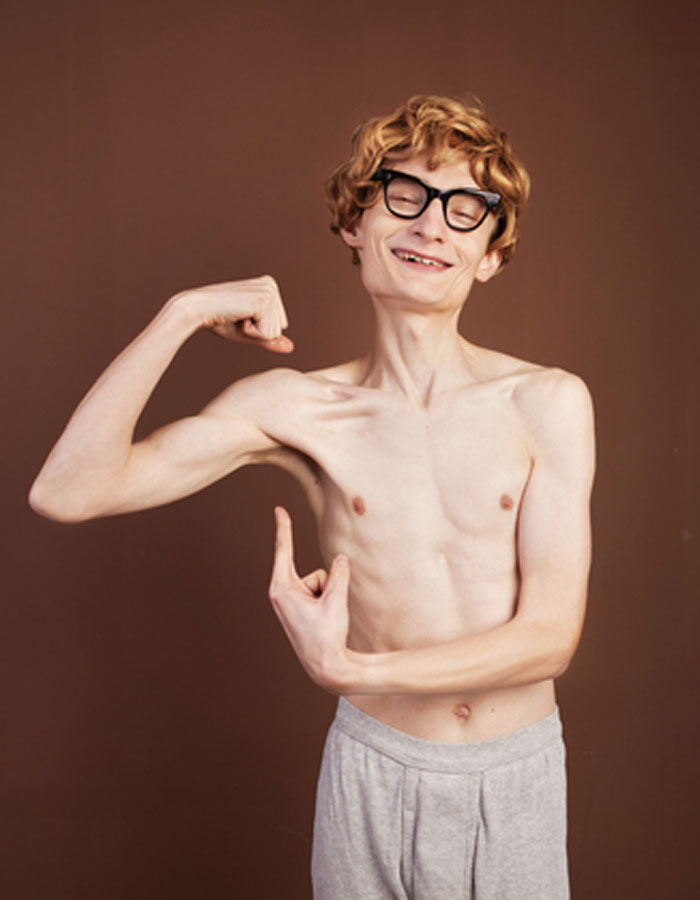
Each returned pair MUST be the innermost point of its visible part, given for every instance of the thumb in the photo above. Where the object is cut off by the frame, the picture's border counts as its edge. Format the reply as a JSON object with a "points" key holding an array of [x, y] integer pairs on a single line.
{"points": [[281, 344], [338, 577]]}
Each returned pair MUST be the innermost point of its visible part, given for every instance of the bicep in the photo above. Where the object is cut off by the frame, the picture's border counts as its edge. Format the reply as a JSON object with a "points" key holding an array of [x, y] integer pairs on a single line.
{"points": [[191, 453], [554, 534], [184, 457], [232, 430]]}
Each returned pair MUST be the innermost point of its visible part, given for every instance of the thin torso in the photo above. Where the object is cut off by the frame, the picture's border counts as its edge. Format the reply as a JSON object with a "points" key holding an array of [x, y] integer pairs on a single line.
{"points": [[424, 500]]}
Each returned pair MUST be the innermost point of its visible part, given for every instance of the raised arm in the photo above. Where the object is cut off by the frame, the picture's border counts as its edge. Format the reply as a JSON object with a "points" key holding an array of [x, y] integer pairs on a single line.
{"points": [[554, 557], [95, 468]]}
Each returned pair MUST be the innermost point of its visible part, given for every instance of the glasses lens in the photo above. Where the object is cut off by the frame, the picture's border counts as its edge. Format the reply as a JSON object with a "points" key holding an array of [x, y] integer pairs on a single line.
{"points": [[465, 210], [405, 197]]}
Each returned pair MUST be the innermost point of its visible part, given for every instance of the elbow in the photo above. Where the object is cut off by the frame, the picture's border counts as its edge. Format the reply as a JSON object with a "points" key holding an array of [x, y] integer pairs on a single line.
{"points": [[51, 505], [555, 647], [560, 665], [562, 656]]}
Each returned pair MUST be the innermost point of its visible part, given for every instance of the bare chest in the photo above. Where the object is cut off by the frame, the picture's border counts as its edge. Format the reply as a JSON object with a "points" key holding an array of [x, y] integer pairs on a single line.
{"points": [[425, 503], [442, 476]]}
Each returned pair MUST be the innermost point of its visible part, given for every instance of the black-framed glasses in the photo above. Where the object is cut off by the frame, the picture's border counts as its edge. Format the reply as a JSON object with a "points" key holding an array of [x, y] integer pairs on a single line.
{"points": [[407, 197]]}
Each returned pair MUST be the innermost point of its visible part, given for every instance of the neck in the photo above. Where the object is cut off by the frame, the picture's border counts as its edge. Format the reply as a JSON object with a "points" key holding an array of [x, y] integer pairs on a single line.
{"points": [[419, 354]]}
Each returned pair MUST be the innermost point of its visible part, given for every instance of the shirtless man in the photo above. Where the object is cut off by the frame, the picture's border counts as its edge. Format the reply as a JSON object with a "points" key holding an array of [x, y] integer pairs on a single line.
{"points": [[451, 487]]}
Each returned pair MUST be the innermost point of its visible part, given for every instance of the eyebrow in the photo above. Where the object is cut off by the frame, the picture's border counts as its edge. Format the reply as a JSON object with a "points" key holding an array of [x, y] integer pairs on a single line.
{"points": [[464, 187]]}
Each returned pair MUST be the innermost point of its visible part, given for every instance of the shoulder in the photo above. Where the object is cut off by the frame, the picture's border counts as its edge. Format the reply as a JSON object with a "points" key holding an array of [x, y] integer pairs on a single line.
{"points": [[288, 379], [280, 388], [540, 393], [554, 406], [556, 410], [273, 386], [282, 380], [549, 393]]}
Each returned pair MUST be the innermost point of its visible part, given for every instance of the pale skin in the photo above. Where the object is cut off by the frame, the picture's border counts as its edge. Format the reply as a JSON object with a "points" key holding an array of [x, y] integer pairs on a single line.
{"points": [[450, 483]]}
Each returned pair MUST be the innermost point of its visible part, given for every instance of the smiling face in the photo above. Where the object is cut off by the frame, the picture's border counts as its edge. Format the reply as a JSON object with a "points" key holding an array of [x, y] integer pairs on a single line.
{"points": [[423, 263]]}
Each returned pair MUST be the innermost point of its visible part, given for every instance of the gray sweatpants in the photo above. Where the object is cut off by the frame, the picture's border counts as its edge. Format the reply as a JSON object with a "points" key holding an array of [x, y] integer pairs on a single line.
{"points": [[398, 818]]}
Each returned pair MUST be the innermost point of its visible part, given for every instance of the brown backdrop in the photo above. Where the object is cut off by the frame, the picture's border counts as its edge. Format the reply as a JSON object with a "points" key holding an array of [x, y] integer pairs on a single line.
{"points": [[159, 739]]}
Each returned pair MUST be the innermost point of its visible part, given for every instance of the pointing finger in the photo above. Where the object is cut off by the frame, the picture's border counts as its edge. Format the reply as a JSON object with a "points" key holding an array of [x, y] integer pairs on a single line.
{"points": [[283, 570]]}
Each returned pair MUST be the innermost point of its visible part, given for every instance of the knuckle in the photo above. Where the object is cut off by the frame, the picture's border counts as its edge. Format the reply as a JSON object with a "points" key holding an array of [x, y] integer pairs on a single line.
{"points": [[269, 282]]}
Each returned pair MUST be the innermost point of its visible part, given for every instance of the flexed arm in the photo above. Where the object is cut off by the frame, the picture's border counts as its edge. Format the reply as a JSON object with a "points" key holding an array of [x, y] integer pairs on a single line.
{"points": [[95, 467]]}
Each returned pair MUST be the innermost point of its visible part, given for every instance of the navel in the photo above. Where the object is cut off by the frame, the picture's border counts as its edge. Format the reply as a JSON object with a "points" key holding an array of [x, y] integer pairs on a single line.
{"points": [[462, 711], [506, 502], [358, 504]]}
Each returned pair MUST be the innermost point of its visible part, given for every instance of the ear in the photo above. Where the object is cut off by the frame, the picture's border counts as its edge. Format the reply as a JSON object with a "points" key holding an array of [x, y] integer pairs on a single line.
{"points": [[352, 236], [489, 265]]}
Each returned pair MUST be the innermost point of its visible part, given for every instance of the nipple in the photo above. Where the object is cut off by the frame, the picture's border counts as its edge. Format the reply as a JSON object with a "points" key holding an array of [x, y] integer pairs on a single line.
{"points": [[358, 504], [462, 711], [506, 502]]}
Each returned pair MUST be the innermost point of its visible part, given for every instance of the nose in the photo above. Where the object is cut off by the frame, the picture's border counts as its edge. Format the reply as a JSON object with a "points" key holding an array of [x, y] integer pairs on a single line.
{"points": [[431, 224]]}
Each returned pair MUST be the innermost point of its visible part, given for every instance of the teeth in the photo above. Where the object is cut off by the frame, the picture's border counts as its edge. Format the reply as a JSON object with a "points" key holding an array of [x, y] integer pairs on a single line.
{"points": [[413, 257]]}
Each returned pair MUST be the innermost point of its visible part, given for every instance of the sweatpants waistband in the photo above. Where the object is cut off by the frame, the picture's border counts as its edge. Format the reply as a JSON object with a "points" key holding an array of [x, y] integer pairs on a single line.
{"points": [[447, 757]]}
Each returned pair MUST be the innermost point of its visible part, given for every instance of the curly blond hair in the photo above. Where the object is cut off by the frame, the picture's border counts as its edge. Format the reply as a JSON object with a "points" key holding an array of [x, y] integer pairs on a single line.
{"points": [[447, 131]]}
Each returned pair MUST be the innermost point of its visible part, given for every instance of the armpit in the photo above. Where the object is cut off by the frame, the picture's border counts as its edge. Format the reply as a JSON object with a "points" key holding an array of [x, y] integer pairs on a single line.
{"points": [[301, 467]]}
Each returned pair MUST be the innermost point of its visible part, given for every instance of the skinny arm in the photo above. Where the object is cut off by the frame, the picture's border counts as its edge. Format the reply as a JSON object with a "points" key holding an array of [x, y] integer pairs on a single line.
{"points": [[97, 469]]}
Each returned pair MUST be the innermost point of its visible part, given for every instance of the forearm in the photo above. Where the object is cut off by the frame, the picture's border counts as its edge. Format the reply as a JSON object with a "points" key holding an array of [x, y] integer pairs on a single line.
{"points": [[97, 441], [517, 653]]}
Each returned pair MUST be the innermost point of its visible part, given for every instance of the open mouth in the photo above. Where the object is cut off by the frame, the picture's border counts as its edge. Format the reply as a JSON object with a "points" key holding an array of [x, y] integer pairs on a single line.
{"points": [[410, 256]]}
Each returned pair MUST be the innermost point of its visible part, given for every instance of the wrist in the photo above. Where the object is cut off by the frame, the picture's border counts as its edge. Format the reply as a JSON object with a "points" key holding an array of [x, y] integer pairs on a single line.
{"points": [[354, 675], [182, 314]]}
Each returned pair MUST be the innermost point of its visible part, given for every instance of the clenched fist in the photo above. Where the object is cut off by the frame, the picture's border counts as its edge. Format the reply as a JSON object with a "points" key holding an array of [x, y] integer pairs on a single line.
{"points": [[250, 310]]}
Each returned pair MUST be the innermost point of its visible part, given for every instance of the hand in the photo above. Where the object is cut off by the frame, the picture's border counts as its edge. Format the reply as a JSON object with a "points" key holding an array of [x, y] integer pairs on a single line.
{"points": [[250, 310], [313, 610]]}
